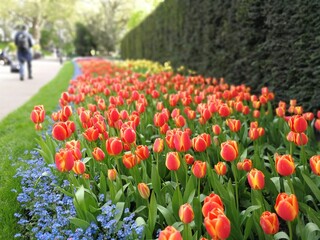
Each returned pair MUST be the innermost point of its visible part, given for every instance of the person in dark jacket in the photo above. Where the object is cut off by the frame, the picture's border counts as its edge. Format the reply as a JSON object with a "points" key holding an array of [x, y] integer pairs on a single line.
{"points": [[24, 43]]}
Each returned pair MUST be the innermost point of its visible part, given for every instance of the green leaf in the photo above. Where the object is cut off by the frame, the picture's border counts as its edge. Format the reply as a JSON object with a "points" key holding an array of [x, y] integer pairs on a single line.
{"points": [[155, 179], [176, 201], [87, 159], [315, 190], [79, 222], [103, 184], [248, 228], [310, 231], [281, 235], [247, 213], [152, 212], [119, 210], [190, 190], [166, 214], [310, 212], [197, 213]]}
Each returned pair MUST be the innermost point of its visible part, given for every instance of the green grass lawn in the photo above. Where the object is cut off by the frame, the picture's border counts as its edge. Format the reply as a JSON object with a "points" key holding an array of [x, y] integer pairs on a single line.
{"points": [[17, 134]]}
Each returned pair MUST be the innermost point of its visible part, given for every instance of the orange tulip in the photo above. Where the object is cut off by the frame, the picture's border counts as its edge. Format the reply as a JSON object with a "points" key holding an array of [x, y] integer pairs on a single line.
{"points": [[186, 213], [217, 224], [256, 179], [144, 190], [79, 167], [211, 202], [315, 164], [298, 123], [181, 141], [220, 168], [158, 145], [233, 124], [199, 144], [245, 165], [199, 169], [61, 131], [112, 174], [284, 164], [216, 129], [142, 152], [98, 154], [300, 139], [160, 119], [74, 146], [269, 222], [37, 114], [91, 134], [129, 160], [317, 124], [180, 121], [172, 161], [287, 206], [229, 150], [64, 160], [280, 111], [170, 233], [189, 159], [114, 146]]}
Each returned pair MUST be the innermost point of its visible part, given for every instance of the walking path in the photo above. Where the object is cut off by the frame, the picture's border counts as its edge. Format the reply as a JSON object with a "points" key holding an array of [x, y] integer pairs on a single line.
{"points": [[14, 93]]}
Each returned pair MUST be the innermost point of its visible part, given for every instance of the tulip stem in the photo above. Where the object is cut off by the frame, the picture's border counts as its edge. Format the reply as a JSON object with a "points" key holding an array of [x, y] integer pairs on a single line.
{"points": [[290, 229], [290, 184], [303, 159], [234, 170], [199, 188]]}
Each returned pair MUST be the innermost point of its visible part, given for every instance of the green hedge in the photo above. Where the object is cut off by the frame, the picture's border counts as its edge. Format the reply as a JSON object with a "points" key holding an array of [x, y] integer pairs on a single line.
{"points": [[256, 42]]}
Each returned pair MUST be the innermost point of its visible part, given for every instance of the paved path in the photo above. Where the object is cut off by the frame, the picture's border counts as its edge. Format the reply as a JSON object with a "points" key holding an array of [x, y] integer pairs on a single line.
{"points": [[14, 93]]}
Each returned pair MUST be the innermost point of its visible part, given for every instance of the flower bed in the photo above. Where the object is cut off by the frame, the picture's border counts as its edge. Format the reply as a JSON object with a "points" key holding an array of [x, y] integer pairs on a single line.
{"points": [[190, 157]]}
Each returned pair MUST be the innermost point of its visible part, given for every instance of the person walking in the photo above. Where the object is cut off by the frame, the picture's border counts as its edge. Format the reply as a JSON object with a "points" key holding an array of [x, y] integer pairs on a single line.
{"points": [[24, 43]]}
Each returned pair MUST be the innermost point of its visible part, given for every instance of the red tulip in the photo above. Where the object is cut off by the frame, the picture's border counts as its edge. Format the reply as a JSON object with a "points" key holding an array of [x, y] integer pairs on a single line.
{"points": [[64, 160], [217, 224], [74, 146], [269, 222], [199, 144], [256, 179], [317, 124], [170, 233], [216, 129], [189, 159], [224, 110], [61, 131], [142, 152], [114, 146], [211, 202], [128, 135], [220, 168], [129, 160], [315, 164], [233, 124], [199, 169], [144, 190], [186, 213], [181, 141], [284, 164], [245, 165], [79, 167], [298, 123], [287, 206], [91, 134], [37, 114], [158, 145], [172, 161], [300, 139], [98, 154], [229, 150], [112, 174]]}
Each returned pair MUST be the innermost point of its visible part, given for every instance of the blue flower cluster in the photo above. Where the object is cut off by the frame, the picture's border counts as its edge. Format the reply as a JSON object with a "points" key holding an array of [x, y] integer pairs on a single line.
{"points": [[46, 210]]}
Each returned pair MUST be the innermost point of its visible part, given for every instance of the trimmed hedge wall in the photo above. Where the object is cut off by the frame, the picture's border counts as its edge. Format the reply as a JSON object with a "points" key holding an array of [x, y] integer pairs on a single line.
{"points": [[256, 42]]}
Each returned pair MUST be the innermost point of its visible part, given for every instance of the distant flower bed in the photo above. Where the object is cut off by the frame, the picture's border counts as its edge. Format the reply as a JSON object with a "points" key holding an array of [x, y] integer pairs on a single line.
{"points": [[140, 152]]}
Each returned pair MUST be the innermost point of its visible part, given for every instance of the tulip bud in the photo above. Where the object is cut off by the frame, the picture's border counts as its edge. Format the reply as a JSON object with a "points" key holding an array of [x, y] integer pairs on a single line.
{"points": [[300, 139], [298, 124], [256, 179], [317, 124], [224, 110], [91, 134], [211, 202], [181, 141], [112, 174], [186, 213], [114, 146], [98, 154], [269, 222], [158, 145], [61, 131], [142, 152], [129, 160], [128, 135], [284, 164], [172, 161], [189, 159], [217, 224], [199, 144], [216, 129], [220, 168], [199, 169], [64, 160], [287, 206], [233, 124], [37, 114], [315, 164], [79, 167], [229, 150], [170, 233], [144, 190]]}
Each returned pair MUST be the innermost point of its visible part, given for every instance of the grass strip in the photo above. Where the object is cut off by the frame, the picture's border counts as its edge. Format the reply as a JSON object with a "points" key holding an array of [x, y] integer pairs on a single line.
{"points": [[17, 135]]}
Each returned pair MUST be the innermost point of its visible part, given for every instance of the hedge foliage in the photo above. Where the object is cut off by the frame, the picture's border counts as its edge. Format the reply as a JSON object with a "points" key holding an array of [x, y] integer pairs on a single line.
{"points": [[256, 42]]}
